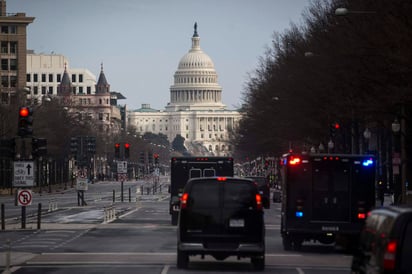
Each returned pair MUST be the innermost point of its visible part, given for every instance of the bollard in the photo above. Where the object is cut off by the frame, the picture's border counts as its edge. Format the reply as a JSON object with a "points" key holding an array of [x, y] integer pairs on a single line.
{"points": [[141, 190], [3, 223], [38, 216], [130, 194], [114, 197]]}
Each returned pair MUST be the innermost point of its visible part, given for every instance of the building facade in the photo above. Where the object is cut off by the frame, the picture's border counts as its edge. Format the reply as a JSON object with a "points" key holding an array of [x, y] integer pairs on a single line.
{"points": [[13, 46], [45, 72], [195, 110]]}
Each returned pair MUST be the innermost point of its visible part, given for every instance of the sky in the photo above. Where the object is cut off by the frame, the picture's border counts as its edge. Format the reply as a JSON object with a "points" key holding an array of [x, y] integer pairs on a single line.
{"points": [[140, 42]]}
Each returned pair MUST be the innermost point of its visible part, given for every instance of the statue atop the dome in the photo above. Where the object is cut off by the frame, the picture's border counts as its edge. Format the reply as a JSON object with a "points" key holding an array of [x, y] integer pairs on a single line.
{"points": [[195, 34]]}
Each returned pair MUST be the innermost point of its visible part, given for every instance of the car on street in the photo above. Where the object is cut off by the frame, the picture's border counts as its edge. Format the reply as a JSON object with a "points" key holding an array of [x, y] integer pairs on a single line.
{"points": [[264, 189], [386, 242], [221, 217]]}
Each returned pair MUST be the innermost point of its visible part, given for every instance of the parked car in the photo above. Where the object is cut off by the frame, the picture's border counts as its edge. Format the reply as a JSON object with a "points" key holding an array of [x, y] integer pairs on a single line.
{"points": [[386, 242], [221, 217], [264, 188]]}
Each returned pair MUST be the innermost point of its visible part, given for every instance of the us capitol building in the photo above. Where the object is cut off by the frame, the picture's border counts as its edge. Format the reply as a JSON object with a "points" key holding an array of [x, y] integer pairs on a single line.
{"points": [[195, 110]]}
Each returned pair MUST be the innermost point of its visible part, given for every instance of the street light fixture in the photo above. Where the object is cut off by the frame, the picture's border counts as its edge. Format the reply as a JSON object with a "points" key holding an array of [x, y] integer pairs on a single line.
{"points": [[345, 11]]}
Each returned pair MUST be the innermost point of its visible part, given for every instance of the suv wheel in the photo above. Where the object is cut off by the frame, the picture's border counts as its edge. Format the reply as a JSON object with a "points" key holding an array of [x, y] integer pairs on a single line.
{"points": [[258, 263], [182, 259]]}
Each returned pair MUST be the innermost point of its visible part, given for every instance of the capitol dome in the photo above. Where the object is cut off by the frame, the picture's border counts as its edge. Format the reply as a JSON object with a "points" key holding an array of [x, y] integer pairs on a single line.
{"points": [[195, 81]]}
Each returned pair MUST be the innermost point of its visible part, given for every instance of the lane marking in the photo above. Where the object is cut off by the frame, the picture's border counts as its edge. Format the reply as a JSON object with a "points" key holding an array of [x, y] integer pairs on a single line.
{"points": [[165, 269]]}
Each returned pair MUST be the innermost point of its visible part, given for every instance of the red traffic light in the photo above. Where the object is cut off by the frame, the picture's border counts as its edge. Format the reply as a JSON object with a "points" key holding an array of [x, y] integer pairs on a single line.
{"points": [[336, 125], [156, 155], [117, 145], [24, 112], [126, 145]]}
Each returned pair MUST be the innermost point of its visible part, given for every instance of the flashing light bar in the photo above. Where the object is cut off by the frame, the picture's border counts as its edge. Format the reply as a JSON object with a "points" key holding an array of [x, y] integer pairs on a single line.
{"points": [[367, 162], [299, 214], [294, 161]]}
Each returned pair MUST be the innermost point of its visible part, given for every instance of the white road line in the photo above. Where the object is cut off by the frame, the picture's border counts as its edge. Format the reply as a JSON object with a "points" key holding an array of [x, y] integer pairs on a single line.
{"points": [[165, 269], [300, 271]]}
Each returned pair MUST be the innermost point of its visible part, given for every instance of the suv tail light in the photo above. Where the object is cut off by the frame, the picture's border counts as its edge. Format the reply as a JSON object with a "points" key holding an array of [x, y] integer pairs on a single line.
{"points": [[294, 160], [183, 200], [258, 201], [390, 255]]}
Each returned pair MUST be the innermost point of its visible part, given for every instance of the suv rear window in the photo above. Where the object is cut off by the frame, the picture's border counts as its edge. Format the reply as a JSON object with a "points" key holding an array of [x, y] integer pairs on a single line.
{"points": [[235, 194]]}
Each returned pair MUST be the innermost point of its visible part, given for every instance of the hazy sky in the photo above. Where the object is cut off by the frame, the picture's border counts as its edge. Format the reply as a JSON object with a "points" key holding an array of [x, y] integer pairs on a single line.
{"points": [[141, 42]]}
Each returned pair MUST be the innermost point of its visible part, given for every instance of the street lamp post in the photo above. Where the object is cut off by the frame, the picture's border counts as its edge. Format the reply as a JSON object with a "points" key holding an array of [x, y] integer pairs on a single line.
{"points": [[399, 129]]}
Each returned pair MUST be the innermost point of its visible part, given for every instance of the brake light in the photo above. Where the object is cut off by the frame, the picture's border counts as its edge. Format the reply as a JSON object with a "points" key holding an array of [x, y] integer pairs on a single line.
{"points": [[183, 200], [258, 201], [294, 160], [390, 255], [361, 215], [221, 179]]}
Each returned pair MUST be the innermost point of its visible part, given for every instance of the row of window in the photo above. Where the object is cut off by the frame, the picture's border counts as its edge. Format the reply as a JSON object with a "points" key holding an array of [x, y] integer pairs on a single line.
{"points": [[8, 47], [191, 80], [5, 29], [9, 81], [50, 90], [50, 77], [8, 64]]}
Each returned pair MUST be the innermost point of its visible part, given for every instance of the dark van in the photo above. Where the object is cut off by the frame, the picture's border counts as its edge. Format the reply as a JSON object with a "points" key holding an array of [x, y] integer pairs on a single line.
{"points": [[221, 217], [386, 242], [264, 189]]}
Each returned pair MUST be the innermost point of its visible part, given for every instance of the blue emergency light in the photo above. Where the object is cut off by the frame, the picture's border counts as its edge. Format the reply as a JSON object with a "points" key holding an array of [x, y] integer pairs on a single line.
{"points": [[299, 214], [367, 162]]}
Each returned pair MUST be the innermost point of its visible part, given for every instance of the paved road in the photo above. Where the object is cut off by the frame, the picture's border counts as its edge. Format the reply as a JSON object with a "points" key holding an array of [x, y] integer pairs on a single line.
{"points": [[141, 240]]}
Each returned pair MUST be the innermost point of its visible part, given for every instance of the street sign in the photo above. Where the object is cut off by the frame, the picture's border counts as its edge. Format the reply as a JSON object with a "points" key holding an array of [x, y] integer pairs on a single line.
{"points": [[81, 184], [121, 177], [23, 174], [24, 197], [121, 166]]}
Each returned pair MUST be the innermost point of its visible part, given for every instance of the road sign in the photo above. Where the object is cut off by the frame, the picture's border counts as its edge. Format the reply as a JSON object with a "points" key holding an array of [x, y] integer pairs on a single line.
{"points": [[121, 166], [121, 177], [81, 184], [23, 174], [24, 197]]}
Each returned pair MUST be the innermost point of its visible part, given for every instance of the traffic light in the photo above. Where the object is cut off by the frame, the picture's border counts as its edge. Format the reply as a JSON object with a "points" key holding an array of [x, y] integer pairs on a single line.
{"points": [[39, 147], [126, 150], [117, 150], [25, 123], [156, 158], [333, 128], [74, 146], [90, 145]]}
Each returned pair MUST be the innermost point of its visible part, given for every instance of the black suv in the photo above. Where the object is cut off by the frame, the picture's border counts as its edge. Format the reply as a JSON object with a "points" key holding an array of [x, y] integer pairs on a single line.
{"points": [[386, 242], [221, 217], [264, 189]]}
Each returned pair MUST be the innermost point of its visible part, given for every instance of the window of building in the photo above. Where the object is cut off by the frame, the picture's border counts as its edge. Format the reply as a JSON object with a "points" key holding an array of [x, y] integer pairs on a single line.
{"points": [[13, 64], [5, 81], [81, 78], [101, 116], [166, 128], [153, 127], [89, 90], [43, 77], [4, 47], [4, 98], [73, 78], [4, 29], [202, 136], [187, 127], [35, 77], [50, 77], [13, 81], [59, 77], [13, 47], [13, 29], [50, 90], [28, 77], [35, 90], [4, 64], [43, 90], [81, 90]]}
